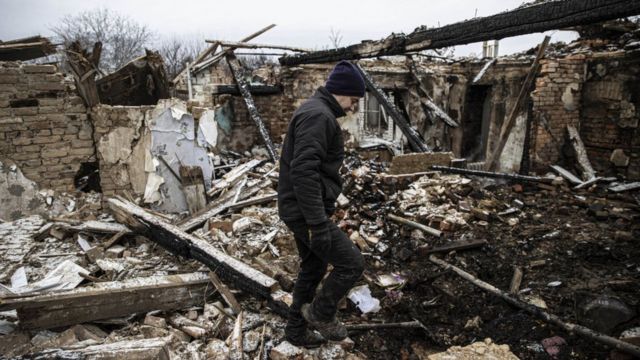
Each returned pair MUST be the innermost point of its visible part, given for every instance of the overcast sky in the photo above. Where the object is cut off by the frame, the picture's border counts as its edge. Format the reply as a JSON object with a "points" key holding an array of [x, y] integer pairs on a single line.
{"points": [[299, 23]]}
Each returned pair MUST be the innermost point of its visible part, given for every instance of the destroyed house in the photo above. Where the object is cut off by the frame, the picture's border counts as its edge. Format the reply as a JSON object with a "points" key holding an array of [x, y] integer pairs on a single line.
{"points": [[493, 198]]}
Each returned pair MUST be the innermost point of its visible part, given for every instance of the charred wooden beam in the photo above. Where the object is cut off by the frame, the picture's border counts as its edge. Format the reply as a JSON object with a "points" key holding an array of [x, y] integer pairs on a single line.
{"points": [[490, 174], [541, 17], [243, 86], [454, 246], [255, 90], [26, 49], [56, 309], [415, 140], [231, 270]]}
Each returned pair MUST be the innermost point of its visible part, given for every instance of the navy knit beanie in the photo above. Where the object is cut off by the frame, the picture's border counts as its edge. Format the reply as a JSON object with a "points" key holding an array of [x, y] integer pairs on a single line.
{"points": [[345, 79]]}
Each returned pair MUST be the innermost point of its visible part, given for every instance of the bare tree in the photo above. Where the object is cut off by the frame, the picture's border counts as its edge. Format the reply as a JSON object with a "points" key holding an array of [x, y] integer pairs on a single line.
{"points": [[256, 61], [335, 36], [178, 51], [122, 37]]}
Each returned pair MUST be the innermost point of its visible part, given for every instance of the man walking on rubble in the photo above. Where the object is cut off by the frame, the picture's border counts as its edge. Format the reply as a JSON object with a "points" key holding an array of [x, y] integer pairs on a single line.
{"points": [[309, 184]]}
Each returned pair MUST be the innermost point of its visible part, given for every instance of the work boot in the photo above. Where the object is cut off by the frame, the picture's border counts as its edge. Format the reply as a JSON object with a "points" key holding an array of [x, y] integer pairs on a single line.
{"points": [[309, 339], [332, 330]]}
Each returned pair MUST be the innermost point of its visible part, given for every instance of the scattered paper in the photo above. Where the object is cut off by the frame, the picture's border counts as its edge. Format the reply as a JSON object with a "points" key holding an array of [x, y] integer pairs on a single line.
{"points": [[361, 297]]}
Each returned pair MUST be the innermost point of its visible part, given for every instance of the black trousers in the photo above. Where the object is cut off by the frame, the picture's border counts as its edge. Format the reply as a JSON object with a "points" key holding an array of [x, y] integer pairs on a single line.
{"points": [[348, 265]]}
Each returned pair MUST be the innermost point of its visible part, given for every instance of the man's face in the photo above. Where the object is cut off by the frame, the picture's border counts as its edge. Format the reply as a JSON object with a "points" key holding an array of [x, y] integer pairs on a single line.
{"points": [[354, 104]]}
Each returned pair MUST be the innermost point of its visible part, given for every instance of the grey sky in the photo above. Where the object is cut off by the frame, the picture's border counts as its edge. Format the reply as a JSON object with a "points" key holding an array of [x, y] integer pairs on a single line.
{"points": [[299, 23]]}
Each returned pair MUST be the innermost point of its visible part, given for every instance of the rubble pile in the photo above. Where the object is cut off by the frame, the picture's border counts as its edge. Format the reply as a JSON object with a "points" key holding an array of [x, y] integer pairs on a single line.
{"points": [[491, 228]]}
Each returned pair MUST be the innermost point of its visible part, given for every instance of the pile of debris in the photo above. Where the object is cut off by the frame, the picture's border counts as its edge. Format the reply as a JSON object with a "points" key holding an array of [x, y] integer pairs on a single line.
{"points": [[227, 292]]}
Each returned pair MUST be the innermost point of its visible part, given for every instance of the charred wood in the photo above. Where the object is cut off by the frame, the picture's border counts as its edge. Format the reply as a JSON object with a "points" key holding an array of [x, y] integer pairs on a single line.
{"points": [[541, 17]]}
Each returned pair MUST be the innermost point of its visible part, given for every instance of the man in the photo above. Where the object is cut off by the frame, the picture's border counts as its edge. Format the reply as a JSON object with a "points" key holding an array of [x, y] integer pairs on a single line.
{"points": [[308, 187]]}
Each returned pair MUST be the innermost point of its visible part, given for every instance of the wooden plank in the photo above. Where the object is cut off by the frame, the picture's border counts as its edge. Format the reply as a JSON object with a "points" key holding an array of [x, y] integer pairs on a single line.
{"points": [[193, 188], [172, 238], [56, 309], [197, 67], [220, 205], [253, 201], [232, 176], [415, 140], [516, 280], [515, 177], [138, 349], [550, 15], [415, 225], [226, 293], [239, 75], [625, 187], [581, 154], [93, 226], [246, 45], [566, 174], [494, 156], [455, 246]]}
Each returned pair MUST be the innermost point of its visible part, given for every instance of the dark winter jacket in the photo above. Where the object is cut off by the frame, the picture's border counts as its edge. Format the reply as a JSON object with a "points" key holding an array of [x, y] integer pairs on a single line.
{"points": [[312, 155]]}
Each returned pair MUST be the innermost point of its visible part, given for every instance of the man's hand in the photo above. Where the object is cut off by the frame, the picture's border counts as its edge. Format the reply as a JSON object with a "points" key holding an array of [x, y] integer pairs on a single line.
{"points": [[320, 238]]}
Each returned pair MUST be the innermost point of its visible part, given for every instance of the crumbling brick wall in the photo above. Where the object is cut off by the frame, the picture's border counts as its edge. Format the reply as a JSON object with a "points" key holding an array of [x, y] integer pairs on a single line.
{"points": [[610, 103], [44, 126], [556, 104]]}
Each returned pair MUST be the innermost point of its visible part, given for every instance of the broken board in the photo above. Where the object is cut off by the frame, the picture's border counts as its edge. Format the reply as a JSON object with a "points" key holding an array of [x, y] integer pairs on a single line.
{"points": [[56, 309]]}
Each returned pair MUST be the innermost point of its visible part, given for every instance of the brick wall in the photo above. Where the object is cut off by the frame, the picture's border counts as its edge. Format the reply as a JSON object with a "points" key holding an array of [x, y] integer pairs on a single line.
{"points": [[44, 127], [556, 104], [610, 103]]}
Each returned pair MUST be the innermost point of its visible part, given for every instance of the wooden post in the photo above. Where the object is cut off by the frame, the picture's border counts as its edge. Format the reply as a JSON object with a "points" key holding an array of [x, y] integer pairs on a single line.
{"points": [[494, 157], [243, 86]]}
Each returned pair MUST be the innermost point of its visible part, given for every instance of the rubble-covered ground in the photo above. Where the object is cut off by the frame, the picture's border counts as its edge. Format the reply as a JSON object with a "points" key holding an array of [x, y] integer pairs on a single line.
{"points": [[578, 251]]}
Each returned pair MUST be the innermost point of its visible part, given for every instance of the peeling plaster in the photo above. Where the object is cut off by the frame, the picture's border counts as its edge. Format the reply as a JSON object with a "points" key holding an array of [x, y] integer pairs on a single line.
{"points": [[116, 146], [173, 138], [568, 98], [19, 196]]}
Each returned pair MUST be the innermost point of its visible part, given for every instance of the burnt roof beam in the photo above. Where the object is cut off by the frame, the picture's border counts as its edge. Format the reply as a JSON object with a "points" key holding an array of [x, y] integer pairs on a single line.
{"points": [[525, 20]]}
